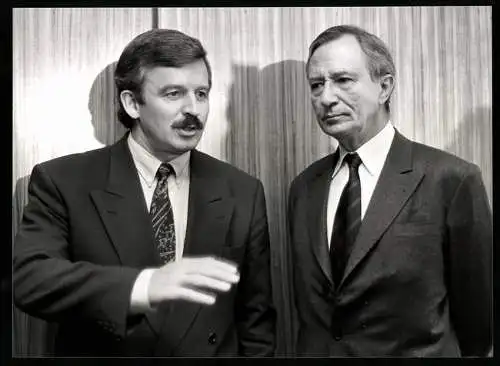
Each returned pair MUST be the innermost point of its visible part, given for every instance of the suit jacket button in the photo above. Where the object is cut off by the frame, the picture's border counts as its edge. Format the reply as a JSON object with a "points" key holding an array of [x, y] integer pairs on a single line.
{"points": [[212, 338]]}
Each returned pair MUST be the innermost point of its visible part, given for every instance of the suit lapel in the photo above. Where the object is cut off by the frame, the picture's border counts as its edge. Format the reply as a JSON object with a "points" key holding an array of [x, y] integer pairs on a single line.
{"points": [[209, 212], [210, 209], [316, 214], [122, 208], [397, 181]]}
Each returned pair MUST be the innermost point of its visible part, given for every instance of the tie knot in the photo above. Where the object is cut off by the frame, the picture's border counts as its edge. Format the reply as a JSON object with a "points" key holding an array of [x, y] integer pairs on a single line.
{"points": [[164, 170], [353, 160]]}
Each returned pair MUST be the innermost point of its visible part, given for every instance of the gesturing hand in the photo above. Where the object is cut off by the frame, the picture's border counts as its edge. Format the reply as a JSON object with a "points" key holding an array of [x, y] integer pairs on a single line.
{"points": [[192, 279]]}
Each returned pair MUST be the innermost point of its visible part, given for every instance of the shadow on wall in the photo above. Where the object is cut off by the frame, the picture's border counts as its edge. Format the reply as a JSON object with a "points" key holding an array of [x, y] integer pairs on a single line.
{"points": [[473, 142], [242, 144], [32, 336], [267, 112], [103, 106]]}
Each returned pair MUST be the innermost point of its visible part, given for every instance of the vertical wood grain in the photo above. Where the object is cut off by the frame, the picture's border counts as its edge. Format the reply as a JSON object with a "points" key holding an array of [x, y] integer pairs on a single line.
{"points": [[63, 94]]}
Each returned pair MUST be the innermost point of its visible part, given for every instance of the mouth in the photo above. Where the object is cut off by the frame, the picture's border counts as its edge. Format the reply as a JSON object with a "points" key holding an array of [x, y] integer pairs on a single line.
{"points": [[331, 118], [188, 130]]}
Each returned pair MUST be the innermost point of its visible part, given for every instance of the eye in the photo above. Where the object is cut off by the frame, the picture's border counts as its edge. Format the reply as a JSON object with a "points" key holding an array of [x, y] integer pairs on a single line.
{"points": [[344, 80], [173, 94], [316, 85], [202, 95]]}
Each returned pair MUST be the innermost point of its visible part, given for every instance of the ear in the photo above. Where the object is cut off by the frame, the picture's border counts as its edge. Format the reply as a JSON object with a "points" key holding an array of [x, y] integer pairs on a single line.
{"points": [[130, 104], [386, 88]]}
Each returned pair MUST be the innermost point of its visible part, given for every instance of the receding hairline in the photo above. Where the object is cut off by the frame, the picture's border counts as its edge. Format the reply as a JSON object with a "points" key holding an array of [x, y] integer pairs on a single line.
{"points": [[368, 58], [340, 37]]}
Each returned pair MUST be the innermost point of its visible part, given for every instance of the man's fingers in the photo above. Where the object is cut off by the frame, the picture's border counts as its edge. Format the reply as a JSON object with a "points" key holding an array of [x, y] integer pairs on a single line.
{"points": [[210, 283], [223, 264], [211, 267], [217, 274], [192, 279], [195, 296]]}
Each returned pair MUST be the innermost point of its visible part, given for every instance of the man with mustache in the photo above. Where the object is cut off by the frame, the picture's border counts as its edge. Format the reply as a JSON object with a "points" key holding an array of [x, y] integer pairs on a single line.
{"points": [[149, 247], [391, 240]]}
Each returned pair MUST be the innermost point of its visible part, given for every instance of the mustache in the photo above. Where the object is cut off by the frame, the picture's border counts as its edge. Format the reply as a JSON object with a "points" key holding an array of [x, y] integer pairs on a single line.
{"points": [[189, 121]]}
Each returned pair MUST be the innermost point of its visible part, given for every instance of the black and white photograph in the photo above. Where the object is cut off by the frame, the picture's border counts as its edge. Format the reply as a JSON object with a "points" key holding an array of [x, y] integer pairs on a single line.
{"points": [[276, 182]]}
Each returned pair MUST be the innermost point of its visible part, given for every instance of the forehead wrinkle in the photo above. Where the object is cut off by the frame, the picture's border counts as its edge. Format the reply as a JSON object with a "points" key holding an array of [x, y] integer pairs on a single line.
{"points": [[320, 73]]}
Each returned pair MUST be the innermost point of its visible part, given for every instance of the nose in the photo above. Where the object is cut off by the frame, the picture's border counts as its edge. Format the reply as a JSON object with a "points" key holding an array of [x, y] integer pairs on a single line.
{"points": [[190, 105], [329, 95]]}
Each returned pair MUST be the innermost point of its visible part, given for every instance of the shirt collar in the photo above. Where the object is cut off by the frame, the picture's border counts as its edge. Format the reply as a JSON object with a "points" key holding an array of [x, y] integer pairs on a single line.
{"points": [[373, 152], [147, 164]]}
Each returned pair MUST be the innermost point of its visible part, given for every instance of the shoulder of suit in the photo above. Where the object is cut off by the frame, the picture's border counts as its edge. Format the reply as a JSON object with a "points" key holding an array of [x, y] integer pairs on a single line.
{"points": [[221, 167], [77, 161], [435, 158], [318, 167]]}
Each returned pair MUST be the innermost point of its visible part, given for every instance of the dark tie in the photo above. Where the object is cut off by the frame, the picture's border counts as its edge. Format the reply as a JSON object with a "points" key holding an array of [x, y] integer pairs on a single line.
{"points": [[162, 216], [347, 220]]}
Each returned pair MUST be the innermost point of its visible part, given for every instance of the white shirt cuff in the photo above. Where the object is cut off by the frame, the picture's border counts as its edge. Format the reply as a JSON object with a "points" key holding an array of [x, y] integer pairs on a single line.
{"points": [[139, 299]]}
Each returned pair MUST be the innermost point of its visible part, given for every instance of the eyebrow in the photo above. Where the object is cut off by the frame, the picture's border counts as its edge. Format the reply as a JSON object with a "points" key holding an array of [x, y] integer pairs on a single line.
{"points": [[343, 72], [334, 75], [167, 87]]}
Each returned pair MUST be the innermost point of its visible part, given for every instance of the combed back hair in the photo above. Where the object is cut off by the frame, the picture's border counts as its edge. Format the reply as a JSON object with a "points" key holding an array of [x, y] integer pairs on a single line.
{"points": [[379, 59], [156, 47]]}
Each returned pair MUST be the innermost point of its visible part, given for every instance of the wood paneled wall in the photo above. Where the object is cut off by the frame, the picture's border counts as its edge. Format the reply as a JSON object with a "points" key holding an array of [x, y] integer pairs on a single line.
{"points": [[261, 118]]}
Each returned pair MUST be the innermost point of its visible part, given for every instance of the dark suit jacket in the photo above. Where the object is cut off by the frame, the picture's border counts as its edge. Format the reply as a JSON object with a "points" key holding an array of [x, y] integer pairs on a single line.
{"points": [[418, 281], [86, 234]]}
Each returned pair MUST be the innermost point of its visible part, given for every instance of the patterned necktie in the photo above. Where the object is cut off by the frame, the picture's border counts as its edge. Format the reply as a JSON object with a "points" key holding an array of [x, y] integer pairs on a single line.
{"points": [[162, 216], [347, 220]]}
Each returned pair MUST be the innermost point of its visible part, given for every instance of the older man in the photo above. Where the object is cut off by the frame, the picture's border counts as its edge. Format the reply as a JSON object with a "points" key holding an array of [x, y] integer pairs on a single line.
{"points": [[391, 239]]}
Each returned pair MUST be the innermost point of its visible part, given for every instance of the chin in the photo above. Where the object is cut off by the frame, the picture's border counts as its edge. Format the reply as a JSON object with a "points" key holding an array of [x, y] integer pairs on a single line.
{"points": [[339, 129], [187, 144]]}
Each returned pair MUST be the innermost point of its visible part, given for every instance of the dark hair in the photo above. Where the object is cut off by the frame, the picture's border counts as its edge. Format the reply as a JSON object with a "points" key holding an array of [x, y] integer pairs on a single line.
{"points": [[379, 59], [156, 47]]}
